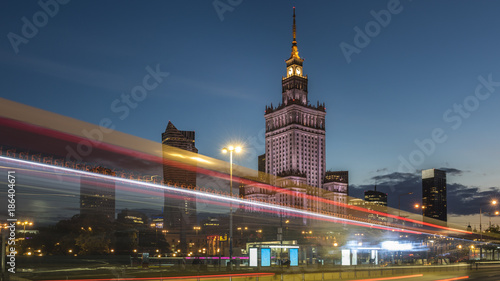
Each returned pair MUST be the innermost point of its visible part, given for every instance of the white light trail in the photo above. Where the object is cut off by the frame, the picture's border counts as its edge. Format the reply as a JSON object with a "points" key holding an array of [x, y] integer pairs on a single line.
{"points": [[211, 196]]}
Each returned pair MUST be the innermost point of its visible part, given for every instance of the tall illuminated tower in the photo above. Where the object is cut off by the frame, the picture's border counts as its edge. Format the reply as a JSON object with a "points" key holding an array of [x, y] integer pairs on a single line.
{"points": [[295, 130]]}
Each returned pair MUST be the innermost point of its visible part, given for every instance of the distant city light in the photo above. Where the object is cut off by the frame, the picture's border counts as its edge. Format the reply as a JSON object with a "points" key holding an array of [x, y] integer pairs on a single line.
{"points": [[396, 246]]}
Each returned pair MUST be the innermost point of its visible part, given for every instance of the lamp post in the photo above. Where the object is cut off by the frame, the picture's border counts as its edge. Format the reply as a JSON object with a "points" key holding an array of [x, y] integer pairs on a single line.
{"points": [[24, 224], [493, 202], [496, 213], [230, 149], [399, 201]]}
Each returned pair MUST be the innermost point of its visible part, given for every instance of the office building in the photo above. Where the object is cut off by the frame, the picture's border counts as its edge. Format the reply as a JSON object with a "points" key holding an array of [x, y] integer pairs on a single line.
{"points": [[375, 197], [179, 215], [434, 203]]}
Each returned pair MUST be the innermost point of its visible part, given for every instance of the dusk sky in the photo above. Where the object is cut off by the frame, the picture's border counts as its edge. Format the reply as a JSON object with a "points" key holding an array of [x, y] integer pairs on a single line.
{"points": [[424, 73]]}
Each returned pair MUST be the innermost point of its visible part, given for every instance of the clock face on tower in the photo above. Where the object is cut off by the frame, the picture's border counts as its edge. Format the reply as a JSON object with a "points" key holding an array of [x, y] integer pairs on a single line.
{"points": [[290, 71], [297, 71]]}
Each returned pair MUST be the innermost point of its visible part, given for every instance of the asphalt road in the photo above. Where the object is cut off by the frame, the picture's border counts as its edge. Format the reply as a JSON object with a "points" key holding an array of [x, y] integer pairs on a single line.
{"points": [[485, 274]]}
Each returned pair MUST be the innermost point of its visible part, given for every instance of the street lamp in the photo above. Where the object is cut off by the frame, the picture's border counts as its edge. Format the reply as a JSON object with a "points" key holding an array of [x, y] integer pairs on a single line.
{"points": [[197, 228], [496, 213], [230, 149], [24, 224], [493, 202], [399, 201], [418, 206]]}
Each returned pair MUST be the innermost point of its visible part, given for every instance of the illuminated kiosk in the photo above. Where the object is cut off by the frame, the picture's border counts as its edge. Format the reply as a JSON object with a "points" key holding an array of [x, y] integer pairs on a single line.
{"points": [[275, 253], [386, 252]]}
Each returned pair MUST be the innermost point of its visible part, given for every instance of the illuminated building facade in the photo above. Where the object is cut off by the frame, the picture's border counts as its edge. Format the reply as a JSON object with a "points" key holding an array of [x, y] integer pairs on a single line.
{"points": [[434, 203], [295, 131], [295, 148], [376, 197], [179, 215], [336, 187], [337, 176]]}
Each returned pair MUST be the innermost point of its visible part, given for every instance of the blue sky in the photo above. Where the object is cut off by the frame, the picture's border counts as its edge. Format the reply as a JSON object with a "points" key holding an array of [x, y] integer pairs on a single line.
{"points": [[222, 74]]}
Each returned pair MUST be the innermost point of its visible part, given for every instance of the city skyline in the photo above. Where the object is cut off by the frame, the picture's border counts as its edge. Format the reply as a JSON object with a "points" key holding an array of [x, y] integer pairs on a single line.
{"points": [[357, 94]]}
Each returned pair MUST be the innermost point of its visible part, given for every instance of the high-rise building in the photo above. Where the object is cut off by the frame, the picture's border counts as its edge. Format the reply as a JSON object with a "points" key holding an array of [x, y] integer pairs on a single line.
{"points": [[179, 215], [183, 140], [262, 163], [295, 148], [434, 194], [97, 195], [295, 131], [375, 197]]}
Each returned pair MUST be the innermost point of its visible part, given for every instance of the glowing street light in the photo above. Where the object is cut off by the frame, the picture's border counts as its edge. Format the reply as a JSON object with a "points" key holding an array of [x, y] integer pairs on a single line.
{"points": [[493, 202], [230, 149], [197, 228], [24, 224]]}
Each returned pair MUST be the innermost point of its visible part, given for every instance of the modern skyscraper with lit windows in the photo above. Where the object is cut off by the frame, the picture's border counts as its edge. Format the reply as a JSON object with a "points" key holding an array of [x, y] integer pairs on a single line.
{"points": [[434, 203]]}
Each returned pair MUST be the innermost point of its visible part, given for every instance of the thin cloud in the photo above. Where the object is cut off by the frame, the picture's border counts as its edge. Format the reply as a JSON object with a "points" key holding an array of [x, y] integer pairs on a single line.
{"points": [[81, 75], [462, 199]]}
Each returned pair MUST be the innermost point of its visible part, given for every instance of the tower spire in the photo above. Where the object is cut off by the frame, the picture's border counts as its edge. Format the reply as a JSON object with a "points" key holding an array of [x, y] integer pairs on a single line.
{"points": [[294, 29], [295, 50]]}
